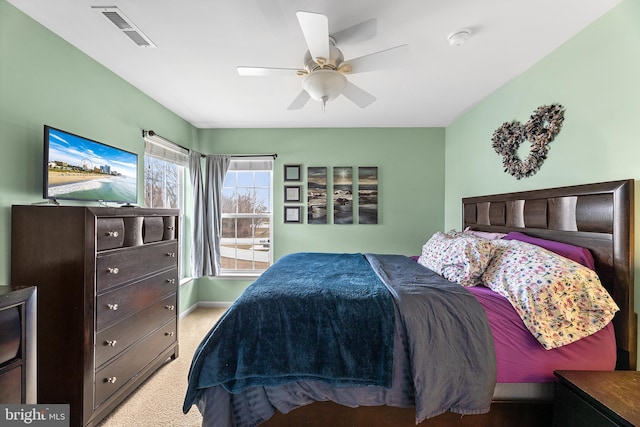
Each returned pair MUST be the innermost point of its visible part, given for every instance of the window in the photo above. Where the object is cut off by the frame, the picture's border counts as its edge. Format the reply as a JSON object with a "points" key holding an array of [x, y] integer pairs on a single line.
{"points": [[163, 182], [247, 217], [165, 168]]}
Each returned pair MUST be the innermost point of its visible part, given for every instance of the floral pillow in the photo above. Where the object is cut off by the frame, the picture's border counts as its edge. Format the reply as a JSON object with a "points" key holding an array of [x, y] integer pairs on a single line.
{"points": [[559, 300], [484, 234], [457, 257], [576, 253]]}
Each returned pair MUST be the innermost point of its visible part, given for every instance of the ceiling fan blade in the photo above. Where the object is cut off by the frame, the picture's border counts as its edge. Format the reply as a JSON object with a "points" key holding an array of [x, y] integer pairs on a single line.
{"points": [[365, 30], [300, 101], [358, 96], [315, 28], [266, 71], [394, 57]]}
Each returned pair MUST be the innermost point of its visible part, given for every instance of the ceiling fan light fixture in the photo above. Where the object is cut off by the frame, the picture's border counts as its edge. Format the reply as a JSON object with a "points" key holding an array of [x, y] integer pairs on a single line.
{"points": [[324, 85], [323, 76]]}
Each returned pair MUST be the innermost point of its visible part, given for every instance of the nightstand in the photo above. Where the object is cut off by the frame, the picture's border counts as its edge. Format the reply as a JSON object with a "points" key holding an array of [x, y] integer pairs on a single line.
{"points": [[597, 398], [18, 369]]}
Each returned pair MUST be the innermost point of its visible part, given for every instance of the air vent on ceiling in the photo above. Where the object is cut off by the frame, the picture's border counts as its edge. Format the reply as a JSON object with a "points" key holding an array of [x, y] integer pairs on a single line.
{"points": [[115, 15]]}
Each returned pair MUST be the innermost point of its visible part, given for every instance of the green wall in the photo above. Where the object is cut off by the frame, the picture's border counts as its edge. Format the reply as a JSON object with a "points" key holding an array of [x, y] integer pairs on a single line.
{"points": [[45, 80], [410, 165], [595, 75]]}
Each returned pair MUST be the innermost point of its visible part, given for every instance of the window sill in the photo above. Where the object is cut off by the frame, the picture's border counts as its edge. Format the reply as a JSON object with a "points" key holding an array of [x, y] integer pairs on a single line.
{"points": [[237, 276], [185, 280]]}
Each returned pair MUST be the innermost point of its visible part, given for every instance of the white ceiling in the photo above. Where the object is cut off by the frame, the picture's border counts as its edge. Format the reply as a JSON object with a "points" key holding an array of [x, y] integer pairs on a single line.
{"points": [[192, 71]]}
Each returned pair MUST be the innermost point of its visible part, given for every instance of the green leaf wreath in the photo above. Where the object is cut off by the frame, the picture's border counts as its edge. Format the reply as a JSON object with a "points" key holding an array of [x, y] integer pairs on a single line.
{"points": [[540, 130]]}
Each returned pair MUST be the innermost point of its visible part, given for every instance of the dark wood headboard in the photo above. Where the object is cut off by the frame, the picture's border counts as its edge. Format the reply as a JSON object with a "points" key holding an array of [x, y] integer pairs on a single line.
{"points": [[595, 216]]}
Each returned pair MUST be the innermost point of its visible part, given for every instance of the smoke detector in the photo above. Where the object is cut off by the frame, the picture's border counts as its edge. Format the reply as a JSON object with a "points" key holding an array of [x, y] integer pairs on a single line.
{"points": [[459, 38]]}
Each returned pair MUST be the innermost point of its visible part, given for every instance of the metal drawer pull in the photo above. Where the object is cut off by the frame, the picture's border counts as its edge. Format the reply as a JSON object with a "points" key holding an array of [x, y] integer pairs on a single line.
{"points": [[111, 343], [113, 270], [171, 254], [112, 233], [171, 281], [170, 307], [169, 334], [113, 307], [111, 380], [171, 227]]}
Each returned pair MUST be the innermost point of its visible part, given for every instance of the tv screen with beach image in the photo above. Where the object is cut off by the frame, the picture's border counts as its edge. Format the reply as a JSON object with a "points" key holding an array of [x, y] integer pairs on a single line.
{"points": [[82, 169]]}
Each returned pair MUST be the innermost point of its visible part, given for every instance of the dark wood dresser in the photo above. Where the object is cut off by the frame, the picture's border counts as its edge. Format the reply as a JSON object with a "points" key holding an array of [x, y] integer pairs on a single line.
{"points": [[107, 281], [18, 345], [597, 399]]}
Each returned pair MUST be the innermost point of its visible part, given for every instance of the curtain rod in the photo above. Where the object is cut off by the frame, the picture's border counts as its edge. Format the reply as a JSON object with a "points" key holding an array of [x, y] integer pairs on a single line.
{"points": [[150, 133]]}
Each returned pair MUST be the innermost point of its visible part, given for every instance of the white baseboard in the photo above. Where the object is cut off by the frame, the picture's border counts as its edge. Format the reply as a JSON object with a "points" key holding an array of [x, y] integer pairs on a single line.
{"points": [[206, 304], [215, 304]]}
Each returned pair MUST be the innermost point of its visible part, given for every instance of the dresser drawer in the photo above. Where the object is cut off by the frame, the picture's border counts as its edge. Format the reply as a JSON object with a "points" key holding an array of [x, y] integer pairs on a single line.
{"points": [[570, 410], [118, 304], [170, 228], [153, 229], [116, 374], [11, 386], [122, 265], [120, 336], [10, 334], [109, 233]]}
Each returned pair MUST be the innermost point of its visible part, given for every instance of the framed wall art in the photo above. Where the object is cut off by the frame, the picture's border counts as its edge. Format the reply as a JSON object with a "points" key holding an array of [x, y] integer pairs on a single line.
{"points": [[317, 195], [292, 214], [368, 195], [292, 173], [343, 195], [292, 193]]}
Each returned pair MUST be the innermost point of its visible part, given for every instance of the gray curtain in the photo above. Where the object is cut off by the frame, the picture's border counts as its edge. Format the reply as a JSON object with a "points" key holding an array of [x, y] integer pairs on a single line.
{"points": [[198, 259], [207, 207], [216, 169]]}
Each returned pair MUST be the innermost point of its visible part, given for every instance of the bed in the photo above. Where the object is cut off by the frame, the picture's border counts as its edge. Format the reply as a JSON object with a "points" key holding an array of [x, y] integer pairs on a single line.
{"points": [[596, 217]]}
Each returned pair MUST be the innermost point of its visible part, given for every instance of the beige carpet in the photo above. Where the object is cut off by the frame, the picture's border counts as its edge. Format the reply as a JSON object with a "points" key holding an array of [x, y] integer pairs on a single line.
{"points": [[158, 401]]}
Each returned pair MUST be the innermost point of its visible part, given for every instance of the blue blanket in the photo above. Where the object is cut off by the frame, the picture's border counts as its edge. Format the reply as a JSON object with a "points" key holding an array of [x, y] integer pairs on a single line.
{"points": [[311, 316]]}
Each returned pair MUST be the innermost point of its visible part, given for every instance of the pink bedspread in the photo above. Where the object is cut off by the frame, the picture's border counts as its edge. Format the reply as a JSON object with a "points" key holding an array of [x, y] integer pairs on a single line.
{"points": [[521, 358]]}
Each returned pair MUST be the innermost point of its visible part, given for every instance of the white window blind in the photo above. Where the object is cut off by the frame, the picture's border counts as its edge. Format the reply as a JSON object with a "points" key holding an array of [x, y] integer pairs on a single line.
{"points": [[251, 164], [166, 150]]}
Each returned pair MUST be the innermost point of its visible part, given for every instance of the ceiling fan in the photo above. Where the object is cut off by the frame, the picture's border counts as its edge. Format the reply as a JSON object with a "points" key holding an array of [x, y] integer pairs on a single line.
{"points": [[323, 75]]}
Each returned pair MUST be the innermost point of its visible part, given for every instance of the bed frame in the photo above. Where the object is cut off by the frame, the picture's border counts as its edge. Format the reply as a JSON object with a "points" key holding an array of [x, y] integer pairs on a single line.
{"points": [[596, 216]]}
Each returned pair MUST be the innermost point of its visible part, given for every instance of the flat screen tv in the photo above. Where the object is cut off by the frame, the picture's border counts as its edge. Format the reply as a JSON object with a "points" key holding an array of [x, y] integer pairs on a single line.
{"points": [[77, 168]]}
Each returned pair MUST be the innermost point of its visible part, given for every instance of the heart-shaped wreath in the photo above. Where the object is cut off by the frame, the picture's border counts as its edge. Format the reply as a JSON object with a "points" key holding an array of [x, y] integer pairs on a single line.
{"points": [[544, 125]]}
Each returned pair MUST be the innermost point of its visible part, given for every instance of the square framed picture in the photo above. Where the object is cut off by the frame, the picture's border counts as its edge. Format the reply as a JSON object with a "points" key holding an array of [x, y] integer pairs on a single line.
{"points": [[292, 193], [292, 214], [292, 173]]}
